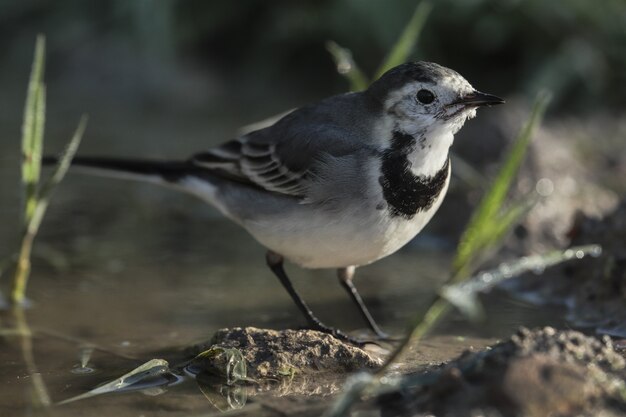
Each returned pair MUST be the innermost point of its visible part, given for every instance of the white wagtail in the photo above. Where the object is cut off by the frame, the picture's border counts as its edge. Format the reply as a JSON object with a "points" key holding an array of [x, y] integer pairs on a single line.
{"points": [[336, 184]]}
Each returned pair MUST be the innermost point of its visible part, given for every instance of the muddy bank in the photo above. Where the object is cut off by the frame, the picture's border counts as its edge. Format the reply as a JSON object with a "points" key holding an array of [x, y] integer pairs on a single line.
{"points": [[534, 373]]}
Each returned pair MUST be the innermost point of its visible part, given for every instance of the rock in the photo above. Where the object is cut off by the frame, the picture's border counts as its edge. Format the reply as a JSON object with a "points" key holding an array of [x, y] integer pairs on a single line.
{"points": [[285, 353]]}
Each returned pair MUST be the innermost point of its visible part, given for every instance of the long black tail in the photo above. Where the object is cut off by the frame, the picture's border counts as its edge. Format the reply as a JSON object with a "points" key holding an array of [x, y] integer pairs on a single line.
{"points": [[170, 171]]}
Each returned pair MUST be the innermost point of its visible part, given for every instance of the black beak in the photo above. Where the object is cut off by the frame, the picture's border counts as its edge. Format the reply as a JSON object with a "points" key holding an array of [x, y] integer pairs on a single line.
{"points": [[476, 99]]}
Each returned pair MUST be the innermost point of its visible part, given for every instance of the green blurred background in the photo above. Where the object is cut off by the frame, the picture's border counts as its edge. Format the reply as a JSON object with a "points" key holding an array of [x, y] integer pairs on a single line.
{"points": [[262, 50], [166, 78]]}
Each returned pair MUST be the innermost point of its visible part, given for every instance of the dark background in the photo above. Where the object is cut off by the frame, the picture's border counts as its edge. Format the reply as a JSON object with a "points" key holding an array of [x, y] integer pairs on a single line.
{"points": [[263, 50], [167, 78]]}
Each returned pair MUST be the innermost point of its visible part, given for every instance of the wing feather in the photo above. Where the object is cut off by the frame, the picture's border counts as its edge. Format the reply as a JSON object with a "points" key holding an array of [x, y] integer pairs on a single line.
{"points": [[288, 156], [255, 163]]}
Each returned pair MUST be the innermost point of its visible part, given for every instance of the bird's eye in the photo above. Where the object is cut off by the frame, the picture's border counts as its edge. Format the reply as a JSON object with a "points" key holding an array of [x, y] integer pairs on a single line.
{"points": [[425, 96]]}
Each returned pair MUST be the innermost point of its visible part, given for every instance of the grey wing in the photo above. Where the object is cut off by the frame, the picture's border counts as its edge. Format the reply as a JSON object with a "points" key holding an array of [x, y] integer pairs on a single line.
{"points": [[255, 164], [279, 160]]}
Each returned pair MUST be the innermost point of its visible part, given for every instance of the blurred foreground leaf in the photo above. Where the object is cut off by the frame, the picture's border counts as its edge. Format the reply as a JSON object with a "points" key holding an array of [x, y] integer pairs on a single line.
{"points": [[464, 295], [490, 221], [224, 397]]}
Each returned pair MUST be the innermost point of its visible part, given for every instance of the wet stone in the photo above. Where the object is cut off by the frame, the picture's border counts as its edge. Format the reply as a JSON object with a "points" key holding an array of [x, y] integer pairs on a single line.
{"points": [[285, 353]]}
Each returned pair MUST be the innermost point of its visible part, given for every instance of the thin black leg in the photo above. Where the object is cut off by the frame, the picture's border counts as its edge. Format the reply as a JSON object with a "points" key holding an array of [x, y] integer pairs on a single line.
{"points": [[345, 276], [275, 262]]}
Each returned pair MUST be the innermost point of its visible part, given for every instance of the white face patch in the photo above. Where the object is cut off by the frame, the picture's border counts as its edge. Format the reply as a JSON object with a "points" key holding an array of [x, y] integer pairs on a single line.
{"points": [[432, 124]]}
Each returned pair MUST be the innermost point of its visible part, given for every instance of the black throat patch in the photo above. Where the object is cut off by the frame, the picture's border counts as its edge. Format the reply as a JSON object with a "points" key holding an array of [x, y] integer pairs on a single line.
{"points": [[406, 193]]}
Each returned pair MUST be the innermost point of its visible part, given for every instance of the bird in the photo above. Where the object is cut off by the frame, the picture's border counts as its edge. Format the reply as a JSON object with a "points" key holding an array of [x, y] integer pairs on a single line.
{"points": [[336, 184]]}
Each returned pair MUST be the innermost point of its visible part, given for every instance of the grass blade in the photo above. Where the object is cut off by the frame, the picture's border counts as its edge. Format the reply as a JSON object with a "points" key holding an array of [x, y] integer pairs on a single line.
{"points": [[494, 234], [347, 67], [32, 129], [405, 45], [464, 295], [23, 263], [479, 233], [509, 218], [65, 160]]}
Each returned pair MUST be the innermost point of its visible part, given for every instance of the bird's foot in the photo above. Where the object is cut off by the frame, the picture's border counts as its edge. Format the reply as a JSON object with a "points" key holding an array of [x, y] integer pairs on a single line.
{"points": [[381, 336], [385, 337], [321, 327]]}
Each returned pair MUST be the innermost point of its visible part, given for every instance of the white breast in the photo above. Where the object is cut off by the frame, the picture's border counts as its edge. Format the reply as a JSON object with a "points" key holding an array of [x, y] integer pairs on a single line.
{"points": [[357, 235]]}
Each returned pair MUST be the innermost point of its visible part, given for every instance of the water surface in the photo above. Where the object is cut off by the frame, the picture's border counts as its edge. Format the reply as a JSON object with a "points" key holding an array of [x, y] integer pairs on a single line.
{"points": [[138, 299]]}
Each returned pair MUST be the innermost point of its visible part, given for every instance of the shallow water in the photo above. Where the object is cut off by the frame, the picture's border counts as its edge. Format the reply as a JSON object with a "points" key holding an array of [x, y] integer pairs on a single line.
{"points": [[139, 299]]}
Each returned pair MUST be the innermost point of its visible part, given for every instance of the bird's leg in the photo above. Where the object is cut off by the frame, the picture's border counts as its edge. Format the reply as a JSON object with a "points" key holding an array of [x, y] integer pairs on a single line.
{"points": [[345, 276], [275, 262]]}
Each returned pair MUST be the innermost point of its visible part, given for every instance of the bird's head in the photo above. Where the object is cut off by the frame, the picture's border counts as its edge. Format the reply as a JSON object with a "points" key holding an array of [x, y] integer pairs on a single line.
{"points": [[424, 96]]}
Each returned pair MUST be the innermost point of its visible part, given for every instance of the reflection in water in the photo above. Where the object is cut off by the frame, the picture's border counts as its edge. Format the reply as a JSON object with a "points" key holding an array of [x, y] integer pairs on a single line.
{"points": [[40, 397], [220, 373], [221, 396]]}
